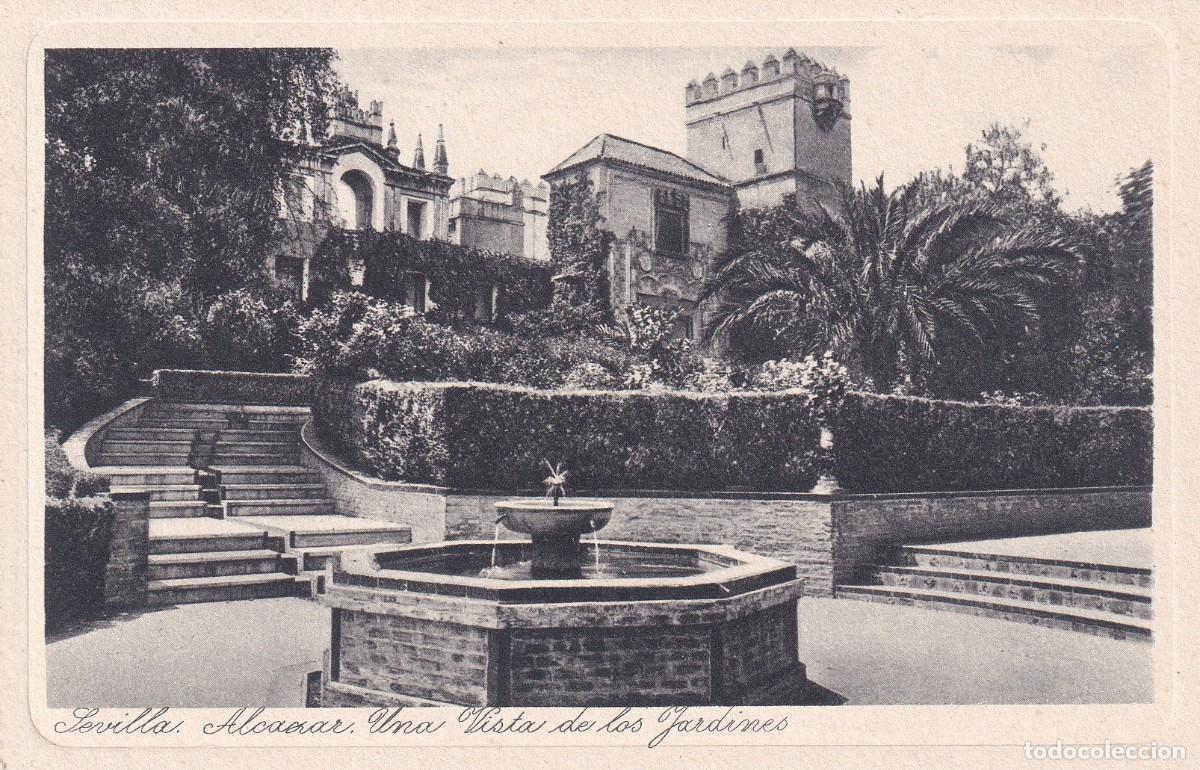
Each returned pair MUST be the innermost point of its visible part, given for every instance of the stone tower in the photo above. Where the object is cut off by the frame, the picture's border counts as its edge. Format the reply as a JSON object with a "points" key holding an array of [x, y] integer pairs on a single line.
{"points": [[782, 126]]}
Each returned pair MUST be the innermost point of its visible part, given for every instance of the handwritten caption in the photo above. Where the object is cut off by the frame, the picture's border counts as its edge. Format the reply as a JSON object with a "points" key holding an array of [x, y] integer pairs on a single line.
{"points": [[656, 726]]}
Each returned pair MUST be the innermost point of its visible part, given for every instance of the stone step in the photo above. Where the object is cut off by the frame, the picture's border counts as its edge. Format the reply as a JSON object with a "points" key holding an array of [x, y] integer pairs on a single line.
{"points": [[172, 566], [238, 435], [272, 491], [356, 537], [1061, 592], [161, 492], [255, 447], [149, 433], [202, 407], [139, 445], [178, 509], [285, 507], [275, 458], [235, 473], [1066, 618], [248, 541], [224, 419], [149, 475], [224, 588], [300, 531], [145, 458], [948, 557], [215, 423]]}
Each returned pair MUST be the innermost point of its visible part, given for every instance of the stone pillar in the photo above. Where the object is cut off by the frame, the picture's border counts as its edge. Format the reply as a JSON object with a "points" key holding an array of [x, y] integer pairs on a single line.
{"points": [[128, 553]]}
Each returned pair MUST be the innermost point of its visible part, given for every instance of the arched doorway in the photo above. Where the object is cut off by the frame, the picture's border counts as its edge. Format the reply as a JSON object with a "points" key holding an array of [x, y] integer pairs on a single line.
{"points": [[356, 199]]}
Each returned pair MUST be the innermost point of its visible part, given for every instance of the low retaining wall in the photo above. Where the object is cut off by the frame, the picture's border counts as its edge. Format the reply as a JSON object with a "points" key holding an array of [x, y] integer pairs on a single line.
{"points": [[863, 523], [829, 537], [220, 387], [420, 507], [83, 446]]}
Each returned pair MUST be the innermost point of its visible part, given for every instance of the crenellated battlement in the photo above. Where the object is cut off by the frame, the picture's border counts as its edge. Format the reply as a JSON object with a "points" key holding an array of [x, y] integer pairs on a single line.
{"points": [[823, 81]]}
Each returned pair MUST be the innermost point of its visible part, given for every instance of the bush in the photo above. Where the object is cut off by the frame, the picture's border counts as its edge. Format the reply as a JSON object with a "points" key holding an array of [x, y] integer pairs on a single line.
{"points": [[905, 444], [357, 337], [473, 435], [60, 476], [232, 387], [78, 531], [252, 329]]}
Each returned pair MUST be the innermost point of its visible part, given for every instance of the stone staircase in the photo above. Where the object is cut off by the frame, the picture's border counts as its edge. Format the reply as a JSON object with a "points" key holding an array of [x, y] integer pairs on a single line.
{"points": [[1101, 599], [233, 513]]}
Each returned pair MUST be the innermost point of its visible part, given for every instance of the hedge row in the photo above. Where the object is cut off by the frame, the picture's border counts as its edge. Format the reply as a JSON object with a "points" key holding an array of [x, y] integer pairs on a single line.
{"points": [[78, 531], [486, 436], [477, 435], [232, 387], [902, 444]]}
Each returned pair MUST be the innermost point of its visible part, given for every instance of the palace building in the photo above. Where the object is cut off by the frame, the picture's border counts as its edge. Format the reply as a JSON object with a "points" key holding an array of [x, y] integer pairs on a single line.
{"points": [[774, 128], [782, 128]]}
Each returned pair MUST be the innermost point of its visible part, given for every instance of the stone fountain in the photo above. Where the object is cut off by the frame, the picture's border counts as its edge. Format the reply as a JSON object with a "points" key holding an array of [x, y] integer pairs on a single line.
{"points": [[543, 622]]}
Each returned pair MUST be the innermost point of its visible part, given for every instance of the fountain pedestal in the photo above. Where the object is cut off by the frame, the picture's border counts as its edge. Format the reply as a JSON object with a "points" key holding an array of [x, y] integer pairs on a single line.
{"points": [[554, 528]]}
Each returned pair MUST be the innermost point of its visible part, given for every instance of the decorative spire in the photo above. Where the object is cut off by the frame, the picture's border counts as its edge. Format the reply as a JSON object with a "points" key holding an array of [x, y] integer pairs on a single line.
{"points": [[391, 135], [440, 162], [419, 155]]}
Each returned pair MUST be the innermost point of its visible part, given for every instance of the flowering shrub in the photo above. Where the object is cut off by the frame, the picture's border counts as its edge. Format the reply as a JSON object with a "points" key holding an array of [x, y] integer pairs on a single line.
{"points": [[357, 337], [823, 383], [251, 330]]}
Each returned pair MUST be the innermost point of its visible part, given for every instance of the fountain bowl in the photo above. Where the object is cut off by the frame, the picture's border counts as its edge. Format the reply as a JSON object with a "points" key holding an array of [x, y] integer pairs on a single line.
{"points": [[539, 516]]}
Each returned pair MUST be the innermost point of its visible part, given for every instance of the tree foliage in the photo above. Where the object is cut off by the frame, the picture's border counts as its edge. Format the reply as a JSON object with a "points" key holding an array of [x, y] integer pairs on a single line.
{"points": [[162, 170], [886, 281]]}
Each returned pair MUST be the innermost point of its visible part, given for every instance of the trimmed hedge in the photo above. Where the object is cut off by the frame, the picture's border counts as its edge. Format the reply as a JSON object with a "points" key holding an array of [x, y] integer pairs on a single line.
{"points": [[905, 444], [474, 435], [78, 533], [232, 387]]}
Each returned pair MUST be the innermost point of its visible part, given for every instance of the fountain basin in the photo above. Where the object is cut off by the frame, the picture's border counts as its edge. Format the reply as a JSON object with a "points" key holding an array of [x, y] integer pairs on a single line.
{"points": [[542, 517], [666, 625], [554, 528]]}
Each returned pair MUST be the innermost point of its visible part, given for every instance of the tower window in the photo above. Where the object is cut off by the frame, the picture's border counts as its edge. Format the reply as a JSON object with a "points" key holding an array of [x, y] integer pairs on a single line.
{"points": [[758, 156], [724, 142]]}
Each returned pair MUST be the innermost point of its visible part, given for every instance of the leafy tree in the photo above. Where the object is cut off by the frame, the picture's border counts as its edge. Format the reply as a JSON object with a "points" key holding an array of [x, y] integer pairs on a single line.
{"points": [[162, 170], [884, 283]]}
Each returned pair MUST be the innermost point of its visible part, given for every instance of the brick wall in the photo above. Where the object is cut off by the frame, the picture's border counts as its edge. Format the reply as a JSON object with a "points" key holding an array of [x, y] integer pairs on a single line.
{"points": [[610, 666], [125, 576], [423, 658], [758, 647], [862, 523]]}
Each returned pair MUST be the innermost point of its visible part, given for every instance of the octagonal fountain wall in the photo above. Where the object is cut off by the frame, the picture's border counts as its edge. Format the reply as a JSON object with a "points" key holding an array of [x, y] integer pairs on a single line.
{"points": [[480, 623]]}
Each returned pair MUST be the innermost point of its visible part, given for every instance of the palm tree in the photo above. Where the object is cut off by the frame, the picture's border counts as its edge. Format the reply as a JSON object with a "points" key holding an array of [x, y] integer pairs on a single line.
{"points": [[885, 283]]}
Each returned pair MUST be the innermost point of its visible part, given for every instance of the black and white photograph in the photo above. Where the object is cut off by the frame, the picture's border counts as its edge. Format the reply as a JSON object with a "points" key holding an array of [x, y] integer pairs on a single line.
{"points": [[660, 393]]}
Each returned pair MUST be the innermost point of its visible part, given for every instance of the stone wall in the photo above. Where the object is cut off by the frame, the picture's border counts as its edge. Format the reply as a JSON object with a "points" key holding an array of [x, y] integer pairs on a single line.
{"points": [[420, 507], [862, 523], [792, 528], [827, 537], [125, 582]]}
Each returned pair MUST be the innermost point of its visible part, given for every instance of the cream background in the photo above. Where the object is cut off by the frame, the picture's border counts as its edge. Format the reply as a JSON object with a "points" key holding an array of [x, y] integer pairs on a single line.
{"points": [[957, 736]]}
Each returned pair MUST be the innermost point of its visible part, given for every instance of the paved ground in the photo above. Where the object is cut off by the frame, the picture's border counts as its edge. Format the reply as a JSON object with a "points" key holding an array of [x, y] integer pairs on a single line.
{"points": [[253, 653], [1119, 547]]}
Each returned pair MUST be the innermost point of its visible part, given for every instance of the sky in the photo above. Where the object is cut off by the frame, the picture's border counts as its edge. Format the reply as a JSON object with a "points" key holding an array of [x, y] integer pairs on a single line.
{"points": [[519, 111]]}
